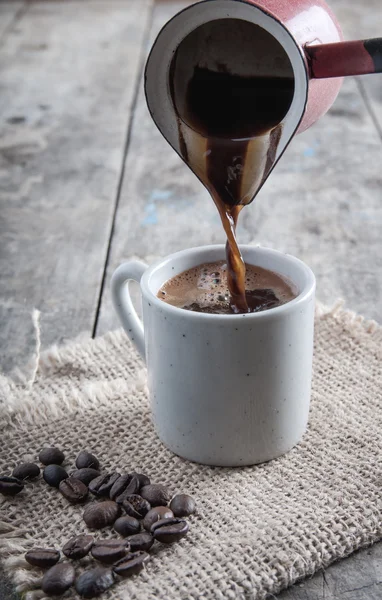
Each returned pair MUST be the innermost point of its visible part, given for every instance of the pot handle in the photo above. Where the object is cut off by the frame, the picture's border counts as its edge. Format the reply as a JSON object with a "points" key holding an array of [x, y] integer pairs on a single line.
{"points": [[345, 58]]}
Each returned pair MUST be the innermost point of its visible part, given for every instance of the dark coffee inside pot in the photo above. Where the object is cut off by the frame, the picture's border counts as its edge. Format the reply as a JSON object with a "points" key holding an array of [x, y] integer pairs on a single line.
{"points": [[230, 123], [204, 288]]}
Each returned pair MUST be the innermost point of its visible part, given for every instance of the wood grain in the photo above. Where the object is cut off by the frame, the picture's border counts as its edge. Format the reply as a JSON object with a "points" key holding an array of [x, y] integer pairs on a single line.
{"points": [[9, 12], [363, 20], [68, 75]]}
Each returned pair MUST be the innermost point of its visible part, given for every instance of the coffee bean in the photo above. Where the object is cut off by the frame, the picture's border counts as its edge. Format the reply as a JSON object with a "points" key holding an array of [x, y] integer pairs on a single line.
{"points": [[156, 494], [109, 551], [86, 475], [85, 460], [101, 486], [169, 531], [73, 490], [78, 547], [92, 583], [58, 579], [127, 526], [54, 474], [136, 506], [131, 564], [141, 541], [101, 514], [51, 456], [10, 486], [124, 486], [142, 479], [156, 514], [42, 557], [26, 471], [182, 505]]}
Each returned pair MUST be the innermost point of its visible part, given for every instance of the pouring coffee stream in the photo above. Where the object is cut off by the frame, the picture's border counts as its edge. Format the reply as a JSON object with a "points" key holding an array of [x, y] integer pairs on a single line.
{"points": [[229, 83], [229, 125]]}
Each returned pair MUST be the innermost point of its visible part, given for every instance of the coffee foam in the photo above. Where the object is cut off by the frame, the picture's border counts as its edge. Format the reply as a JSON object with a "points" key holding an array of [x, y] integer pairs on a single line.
{"points": [[206, 286]]}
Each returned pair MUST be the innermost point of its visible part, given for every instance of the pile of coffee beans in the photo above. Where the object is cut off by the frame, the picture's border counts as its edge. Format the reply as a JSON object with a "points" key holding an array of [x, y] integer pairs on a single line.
{"points": [[141, 512], [14, 484]]}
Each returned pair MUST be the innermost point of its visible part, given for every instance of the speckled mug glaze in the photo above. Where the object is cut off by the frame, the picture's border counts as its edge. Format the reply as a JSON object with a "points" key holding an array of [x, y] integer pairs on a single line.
{"points": [[225, 390]]}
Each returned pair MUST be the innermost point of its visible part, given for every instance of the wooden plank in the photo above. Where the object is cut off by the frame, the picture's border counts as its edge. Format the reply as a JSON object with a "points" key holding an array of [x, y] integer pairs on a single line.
{"points": [[371, 89], [356, 578], [151, 166], [322, 203], [68, 76], [9, 11], [363, 20]]}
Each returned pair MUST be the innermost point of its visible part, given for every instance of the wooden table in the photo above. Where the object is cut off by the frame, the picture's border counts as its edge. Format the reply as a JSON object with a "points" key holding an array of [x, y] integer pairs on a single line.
{"points": [[86, 181]]}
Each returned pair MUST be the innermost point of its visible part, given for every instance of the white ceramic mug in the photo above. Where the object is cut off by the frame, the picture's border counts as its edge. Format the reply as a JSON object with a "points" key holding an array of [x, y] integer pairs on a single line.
{"points": [[225, 390]]}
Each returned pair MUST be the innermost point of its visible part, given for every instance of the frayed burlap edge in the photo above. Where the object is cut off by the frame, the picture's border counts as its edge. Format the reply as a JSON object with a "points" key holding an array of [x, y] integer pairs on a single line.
{"points": [[19, 405], [18, 408]]}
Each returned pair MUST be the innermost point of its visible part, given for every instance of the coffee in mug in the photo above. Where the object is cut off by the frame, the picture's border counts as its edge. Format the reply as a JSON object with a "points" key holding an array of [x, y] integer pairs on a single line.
{"points": [[204, 288]]}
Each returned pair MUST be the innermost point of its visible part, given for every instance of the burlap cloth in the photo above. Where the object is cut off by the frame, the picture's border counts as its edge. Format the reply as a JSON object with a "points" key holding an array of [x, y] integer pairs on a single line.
{"points": [[257, 529]]}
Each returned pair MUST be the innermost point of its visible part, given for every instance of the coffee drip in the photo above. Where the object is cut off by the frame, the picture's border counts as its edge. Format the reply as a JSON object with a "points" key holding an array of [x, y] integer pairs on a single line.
{"points": [[229, 130]]}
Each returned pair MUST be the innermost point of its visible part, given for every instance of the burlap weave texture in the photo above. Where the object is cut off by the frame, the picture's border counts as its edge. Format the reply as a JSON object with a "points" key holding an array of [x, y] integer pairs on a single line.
{"points": [[257, 529]]}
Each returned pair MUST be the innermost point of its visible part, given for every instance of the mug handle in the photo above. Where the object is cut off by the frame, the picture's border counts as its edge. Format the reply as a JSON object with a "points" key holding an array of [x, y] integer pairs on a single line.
{"points": [[130, 271]]}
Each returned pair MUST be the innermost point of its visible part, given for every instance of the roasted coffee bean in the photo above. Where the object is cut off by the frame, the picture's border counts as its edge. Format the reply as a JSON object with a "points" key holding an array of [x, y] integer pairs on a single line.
{"points": [[54, 474], [156, 494], [127, 526], [42, 557], [143, 479], [156, 514], [141, 541], [169, 531], [136, 506], [85, 475], [10, 486], [58, 579], [131, 564], [182, 505], [101, 514], [51, 456], [78, 547], [85, 460], [109, 551], [73, 490], [26, 471], [92, 583], [101, 486], [126, 485]]}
